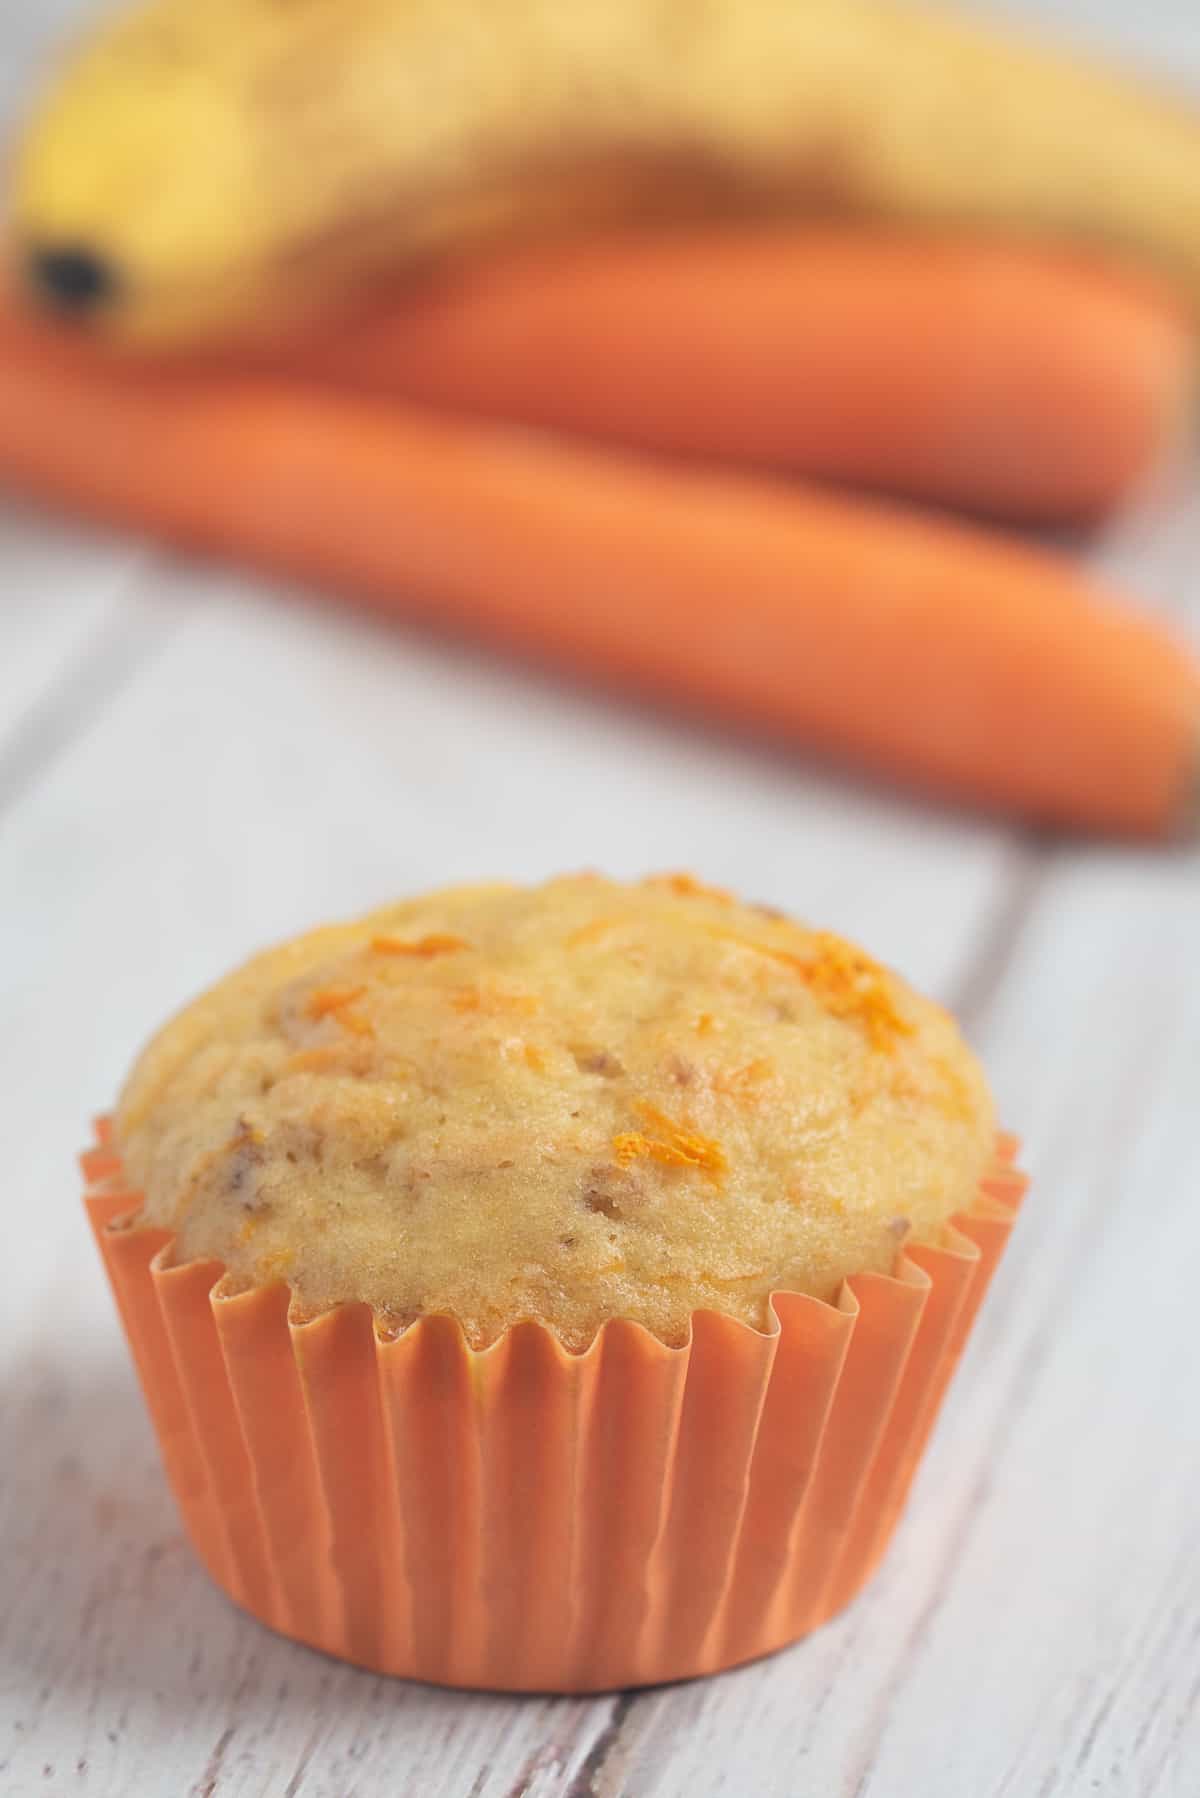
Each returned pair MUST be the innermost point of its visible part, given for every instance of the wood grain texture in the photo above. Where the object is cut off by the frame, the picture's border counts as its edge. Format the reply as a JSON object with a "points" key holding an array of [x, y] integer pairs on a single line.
{"points": [[190, 765]]}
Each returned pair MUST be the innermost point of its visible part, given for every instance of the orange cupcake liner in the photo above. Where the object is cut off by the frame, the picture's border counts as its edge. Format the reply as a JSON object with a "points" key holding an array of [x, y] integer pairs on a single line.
{"points": [[524, 1518]]}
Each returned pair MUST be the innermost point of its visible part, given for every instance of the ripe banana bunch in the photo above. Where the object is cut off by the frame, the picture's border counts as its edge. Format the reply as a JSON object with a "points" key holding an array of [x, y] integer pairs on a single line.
{"points": [[200, 166]]}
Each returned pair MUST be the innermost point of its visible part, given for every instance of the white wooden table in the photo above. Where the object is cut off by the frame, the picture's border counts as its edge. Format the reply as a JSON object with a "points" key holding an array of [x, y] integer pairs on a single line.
{"points": [[192, 764]]}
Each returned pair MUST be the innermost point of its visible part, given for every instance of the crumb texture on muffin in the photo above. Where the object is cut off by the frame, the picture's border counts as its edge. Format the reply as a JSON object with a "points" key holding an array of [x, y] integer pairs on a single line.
{"points": [[573, 1102]]}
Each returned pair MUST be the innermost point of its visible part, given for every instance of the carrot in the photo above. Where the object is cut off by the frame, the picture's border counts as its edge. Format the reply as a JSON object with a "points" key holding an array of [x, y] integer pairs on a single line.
{"points": [[1022, 383], [984, 670]]}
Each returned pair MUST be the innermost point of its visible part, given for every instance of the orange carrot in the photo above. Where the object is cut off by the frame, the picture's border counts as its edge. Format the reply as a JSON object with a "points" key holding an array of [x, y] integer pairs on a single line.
{"points": [[985, 670], [1014, 381]]}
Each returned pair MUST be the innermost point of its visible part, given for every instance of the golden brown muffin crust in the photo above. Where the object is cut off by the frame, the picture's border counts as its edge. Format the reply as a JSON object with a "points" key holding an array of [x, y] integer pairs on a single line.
{"points": [[573, 1102]]}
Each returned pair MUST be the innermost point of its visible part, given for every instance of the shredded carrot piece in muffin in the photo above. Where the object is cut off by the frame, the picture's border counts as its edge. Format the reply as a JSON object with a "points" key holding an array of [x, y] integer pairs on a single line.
{"points": [[353, 1053], [673, 1145], [335, 1002], [589, 933], [850, 985], [438, 943], [329, 999], [686, 886], [954, 1094], [356, 1023], [494, 999], [739, 1083], [845, 981], [315, 1061]]}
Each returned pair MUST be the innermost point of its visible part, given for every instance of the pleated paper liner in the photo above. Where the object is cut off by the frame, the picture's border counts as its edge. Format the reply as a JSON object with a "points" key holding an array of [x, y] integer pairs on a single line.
{"points": [[524, 1518]]}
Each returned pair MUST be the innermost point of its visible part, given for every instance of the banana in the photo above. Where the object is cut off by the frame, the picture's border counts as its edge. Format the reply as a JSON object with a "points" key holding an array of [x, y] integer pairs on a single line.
{"points": [[200, 167]]}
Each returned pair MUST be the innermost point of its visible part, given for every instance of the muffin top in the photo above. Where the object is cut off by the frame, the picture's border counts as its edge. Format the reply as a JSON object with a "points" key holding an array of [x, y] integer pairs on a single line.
{"points": [[573, 1102]]}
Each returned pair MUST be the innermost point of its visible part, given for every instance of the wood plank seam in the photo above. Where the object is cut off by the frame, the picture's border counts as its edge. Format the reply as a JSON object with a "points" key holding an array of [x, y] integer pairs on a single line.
{"points": [[116, 655], [980, 985], [1000, 939], [586, 1783]]}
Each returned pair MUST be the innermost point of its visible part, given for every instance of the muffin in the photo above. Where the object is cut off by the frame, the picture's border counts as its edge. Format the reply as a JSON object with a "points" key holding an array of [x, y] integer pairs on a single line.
{"points": [[550, 1288]]}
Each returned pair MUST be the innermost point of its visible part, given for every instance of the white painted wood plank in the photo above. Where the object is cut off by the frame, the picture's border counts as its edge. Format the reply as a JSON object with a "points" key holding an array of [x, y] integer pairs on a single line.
{"points": [[281, 764], [278, 763], [124, 1671], [77, 617], [1033, 1632], [57, 588], [275, 766]]}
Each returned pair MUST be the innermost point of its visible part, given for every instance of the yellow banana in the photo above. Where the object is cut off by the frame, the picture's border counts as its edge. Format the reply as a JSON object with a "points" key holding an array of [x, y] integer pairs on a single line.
{"points": [[203, 163]]}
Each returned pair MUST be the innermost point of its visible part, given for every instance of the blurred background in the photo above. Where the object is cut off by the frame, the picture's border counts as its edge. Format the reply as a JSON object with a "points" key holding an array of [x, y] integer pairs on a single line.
{"points": [[218, 759], [291, 628]]}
